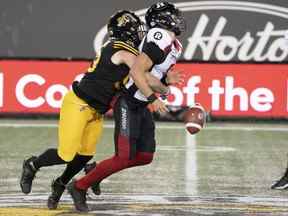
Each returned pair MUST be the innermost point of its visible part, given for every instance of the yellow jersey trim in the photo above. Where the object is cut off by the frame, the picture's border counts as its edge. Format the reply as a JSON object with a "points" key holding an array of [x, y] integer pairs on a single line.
{"points": [[120, 44]]}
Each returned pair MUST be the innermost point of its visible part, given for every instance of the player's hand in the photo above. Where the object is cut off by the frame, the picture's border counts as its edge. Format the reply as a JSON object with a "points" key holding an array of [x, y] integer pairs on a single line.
{"points": [[158, 106], [175, 77]]}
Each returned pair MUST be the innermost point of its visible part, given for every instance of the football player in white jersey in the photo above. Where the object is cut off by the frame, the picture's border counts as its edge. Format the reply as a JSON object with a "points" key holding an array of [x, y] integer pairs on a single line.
{"points": [[134, 126]]}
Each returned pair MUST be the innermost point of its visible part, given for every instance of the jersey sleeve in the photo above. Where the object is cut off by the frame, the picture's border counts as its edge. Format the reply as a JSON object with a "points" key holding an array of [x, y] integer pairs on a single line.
{"points": [[157, 45]]}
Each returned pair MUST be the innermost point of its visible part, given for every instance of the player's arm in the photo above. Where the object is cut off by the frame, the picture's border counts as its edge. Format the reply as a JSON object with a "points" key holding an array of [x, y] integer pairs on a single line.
{"points": [[129, 59], [141, 65], [155, 49], [125, 57], [156, 85]]}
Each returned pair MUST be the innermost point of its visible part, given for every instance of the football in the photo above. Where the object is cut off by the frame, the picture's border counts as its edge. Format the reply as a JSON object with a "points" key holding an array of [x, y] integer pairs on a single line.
{"points": [[194, 118]]}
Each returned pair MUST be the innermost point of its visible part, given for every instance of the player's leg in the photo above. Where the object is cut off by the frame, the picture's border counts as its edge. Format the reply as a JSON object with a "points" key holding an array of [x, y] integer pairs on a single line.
{"points": [[74, 117], [73, 121], [31, 166], [50, 156], [90, 138], [90, 166], [126, 132], [59, 184], [125, 136], [146, 143], [95, 186]]}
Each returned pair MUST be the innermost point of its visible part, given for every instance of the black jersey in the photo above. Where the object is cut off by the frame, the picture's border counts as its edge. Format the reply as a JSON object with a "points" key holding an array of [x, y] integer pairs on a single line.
{"points": [[103, 79]]}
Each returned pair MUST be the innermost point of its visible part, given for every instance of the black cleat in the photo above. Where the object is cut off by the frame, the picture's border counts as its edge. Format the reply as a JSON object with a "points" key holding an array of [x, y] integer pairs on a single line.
{"points": [[95, 186], [78, 196], [57, 188], [281, 184], [28, 174]]}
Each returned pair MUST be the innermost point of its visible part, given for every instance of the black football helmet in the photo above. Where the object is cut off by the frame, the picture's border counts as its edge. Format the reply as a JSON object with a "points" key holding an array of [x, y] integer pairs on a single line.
{"points": [[126, 26], [165, 15]]}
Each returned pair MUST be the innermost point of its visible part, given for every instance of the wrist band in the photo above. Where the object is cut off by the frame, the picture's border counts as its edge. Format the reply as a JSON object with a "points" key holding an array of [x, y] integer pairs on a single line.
{"points": [[152, 98]]}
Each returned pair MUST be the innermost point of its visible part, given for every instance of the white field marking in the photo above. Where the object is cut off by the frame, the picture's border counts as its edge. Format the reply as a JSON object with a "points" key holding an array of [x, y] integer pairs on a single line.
{"points": [[9, 180], [198, 149], [191, 177], [159, 126], [39, 199]]}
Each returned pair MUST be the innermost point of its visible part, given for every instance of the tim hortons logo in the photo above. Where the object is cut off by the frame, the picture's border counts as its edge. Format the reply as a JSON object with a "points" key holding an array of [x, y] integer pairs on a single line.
{"points": [[263, 44]]}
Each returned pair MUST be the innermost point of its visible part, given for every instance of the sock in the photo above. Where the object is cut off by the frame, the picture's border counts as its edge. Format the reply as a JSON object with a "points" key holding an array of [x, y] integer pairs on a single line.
{"points": [[48, 158], [112, 165], [73, 167]]}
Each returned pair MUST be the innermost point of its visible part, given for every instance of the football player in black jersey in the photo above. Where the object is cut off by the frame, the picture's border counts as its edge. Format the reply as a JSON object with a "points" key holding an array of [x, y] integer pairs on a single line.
{"points": [[81, 115], [134, 126]]}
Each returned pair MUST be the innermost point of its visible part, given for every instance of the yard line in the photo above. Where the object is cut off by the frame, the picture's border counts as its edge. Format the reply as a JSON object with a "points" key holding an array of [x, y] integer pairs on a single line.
{"points": [[191, 165], [178, 126]]}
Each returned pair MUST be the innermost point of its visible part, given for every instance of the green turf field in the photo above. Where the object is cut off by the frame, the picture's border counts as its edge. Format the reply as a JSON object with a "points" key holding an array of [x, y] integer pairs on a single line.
{"points": [[225, 170]]}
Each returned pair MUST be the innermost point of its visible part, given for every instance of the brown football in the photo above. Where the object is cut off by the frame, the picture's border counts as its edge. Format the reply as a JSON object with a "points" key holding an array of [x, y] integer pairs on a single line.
{"points": [[194, 119]]}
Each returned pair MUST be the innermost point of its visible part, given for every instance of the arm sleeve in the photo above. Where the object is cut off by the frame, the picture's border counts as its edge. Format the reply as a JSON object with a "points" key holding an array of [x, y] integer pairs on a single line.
{"points": [[154, 52], [156, 45]]}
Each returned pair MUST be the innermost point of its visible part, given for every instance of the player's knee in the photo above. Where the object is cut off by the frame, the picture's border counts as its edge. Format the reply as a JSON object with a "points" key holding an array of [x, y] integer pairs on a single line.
{"points": [[82, 159], [121, 161], [65, 156], [144, 158]]}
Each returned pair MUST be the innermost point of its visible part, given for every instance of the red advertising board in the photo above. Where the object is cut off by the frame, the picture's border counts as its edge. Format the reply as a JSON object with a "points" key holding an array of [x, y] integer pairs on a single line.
{"points": [[36, 86], [236, 90], [227, 90]]}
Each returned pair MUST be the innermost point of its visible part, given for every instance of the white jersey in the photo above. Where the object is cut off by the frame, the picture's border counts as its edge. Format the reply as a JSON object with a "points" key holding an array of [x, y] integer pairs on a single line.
{"points": [[162, 50]]}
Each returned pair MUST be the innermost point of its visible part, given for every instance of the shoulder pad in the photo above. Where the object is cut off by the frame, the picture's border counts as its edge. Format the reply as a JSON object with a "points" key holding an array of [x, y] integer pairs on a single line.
{"points": [[160, 37]]}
